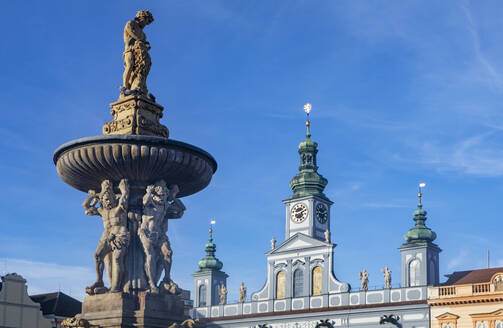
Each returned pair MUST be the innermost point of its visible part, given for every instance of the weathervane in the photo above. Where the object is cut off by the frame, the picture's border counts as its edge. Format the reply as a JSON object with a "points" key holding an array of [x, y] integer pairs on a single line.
{"points": [[307, 109], [212, 222], [420, 193]]}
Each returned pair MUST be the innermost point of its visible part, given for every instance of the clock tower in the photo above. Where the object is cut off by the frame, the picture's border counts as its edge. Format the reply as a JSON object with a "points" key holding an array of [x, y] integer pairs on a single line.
{"points": [[308, 209]]}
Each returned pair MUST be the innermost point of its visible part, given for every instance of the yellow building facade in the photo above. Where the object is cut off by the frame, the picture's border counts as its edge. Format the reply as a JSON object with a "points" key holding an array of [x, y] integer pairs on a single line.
{"points": [[468, 299]]}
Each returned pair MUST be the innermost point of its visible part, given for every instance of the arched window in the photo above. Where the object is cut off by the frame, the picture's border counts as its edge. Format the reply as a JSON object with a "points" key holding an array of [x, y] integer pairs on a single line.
{"points": [[499, 324], [414, 272], [481, 324], [317, 280], [281, 284], [298, 283], [202, 295]]}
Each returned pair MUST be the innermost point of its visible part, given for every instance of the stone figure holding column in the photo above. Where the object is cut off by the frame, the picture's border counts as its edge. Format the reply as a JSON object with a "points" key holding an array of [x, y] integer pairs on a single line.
{"points": [[159, 205], [222, 292], [136, 57], [364, 277], [387, 277], [114, 241], [242, 293]]}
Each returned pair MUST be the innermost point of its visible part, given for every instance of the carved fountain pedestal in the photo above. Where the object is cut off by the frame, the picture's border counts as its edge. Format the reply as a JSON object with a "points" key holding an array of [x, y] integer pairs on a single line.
{"points": [[134, 176], [142, 160]]}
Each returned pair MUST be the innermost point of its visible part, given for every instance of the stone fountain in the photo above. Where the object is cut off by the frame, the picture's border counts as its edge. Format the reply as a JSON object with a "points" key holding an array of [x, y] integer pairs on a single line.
{"points": [[134, 176]]}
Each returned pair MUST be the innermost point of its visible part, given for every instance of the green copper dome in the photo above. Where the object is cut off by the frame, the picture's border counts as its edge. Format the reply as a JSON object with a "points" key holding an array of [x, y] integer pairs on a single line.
{"points": [[308, 182], [210, 262], [420, 234]]}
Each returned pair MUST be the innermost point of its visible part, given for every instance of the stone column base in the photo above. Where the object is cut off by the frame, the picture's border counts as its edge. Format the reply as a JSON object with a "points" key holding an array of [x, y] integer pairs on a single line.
{"points": [[121, 310]]}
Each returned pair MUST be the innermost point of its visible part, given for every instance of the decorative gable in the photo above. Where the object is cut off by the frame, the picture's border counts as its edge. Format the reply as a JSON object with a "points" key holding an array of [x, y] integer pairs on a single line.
{"points": [[447, 320], [498, 314], [447, 316], [297, 242]]}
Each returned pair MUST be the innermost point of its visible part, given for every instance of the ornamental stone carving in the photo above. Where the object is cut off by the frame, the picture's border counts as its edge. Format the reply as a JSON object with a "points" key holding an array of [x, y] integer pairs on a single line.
{"points": [[189, 323], [364, 277], [159, 205], [222, 292], [75, 322], [114, 241], [242, 293], [498, 282], [273, 243], [387, 277]]}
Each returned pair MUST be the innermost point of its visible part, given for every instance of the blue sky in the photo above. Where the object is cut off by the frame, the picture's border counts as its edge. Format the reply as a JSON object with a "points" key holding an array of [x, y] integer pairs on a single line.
{"points": [[402, 92]]}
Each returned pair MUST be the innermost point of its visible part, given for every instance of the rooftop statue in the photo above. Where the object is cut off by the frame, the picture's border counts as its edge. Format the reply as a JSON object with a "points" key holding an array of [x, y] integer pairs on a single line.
{"points": [[222, 292], [387, 277], [136, 58], [242, 293], [364, 277]]}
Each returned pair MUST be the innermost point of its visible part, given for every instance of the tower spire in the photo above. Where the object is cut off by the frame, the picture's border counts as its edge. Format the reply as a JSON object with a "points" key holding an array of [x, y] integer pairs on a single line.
{"points": [[308, 181], [420, 233], [210, 262], [307, 109]]}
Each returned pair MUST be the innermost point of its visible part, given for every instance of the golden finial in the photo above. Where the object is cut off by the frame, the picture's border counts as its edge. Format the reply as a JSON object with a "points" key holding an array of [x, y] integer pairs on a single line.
{"points": [[420, 193], [307, 109], [212, 222]]}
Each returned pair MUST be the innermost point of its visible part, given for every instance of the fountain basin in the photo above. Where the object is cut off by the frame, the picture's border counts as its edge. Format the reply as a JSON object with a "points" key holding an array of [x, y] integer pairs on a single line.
{"points": [[84, 163]]}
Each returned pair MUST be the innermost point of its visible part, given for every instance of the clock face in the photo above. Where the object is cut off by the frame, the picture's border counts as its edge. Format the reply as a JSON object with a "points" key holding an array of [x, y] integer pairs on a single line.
{"points": [[299, 213], [321, 213]]}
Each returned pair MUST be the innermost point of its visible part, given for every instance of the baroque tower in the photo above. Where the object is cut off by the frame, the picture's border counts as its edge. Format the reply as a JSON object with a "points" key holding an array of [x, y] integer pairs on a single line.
{"points": [[299, 270], [209, 279], [419, 253], [308, 209]]}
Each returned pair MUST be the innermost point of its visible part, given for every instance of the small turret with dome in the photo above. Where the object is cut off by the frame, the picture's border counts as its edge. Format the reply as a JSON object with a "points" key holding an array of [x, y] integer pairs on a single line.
{"points": [[420, 256], [210, 277], [420, 233], [210, 262]]}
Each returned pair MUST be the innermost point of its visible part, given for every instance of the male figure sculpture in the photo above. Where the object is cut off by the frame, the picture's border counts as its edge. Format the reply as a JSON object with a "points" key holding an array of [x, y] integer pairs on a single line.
{"points": [[136, 58], [114, 241], [364, 277], [387, 277], [159, 205], [223, 294], [242, 293]]}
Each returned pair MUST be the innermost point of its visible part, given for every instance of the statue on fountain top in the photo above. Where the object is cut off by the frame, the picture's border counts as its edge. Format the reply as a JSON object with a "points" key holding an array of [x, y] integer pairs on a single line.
{"points": [[137, 61], [136, 111]]}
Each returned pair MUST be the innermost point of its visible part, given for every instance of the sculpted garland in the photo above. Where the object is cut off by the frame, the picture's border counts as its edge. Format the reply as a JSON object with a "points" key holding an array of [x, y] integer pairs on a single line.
{"points": [[159, 204]]}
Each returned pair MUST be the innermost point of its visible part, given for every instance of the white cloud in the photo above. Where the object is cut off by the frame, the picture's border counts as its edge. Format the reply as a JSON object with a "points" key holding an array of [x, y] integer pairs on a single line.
{"points": [[457, 261], [475, 155], [46, 277], [492, 76]]}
